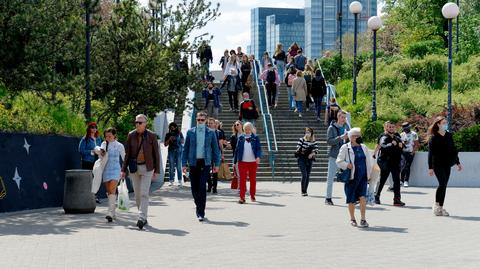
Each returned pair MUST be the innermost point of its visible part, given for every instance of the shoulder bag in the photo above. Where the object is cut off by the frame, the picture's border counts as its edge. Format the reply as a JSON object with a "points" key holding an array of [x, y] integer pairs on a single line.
{"points": [[344, 175]]}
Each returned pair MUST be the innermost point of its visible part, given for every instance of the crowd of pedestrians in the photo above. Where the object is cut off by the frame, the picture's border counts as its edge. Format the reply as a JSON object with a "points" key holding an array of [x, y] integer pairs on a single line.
{"points": [[202, 151]]}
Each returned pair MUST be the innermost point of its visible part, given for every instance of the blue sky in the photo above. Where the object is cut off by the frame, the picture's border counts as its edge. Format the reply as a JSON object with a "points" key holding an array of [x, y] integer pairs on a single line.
{"points": [[232, 28]]}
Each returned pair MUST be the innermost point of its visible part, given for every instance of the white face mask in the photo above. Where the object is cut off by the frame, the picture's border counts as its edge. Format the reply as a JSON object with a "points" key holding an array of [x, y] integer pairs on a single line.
{"points": [[308, 134], [444, 127]]}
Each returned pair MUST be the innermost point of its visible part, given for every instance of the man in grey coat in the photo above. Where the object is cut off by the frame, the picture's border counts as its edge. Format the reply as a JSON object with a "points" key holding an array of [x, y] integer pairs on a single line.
{"points": [[337, 135]]}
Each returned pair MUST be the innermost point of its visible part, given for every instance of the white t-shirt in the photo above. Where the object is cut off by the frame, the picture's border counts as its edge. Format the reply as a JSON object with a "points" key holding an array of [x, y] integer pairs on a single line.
{"points": [[409, 140]]}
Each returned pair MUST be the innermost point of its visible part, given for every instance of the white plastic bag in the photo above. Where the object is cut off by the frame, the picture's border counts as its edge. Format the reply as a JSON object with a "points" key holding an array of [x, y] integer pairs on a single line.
{"points": [[123, 202]]}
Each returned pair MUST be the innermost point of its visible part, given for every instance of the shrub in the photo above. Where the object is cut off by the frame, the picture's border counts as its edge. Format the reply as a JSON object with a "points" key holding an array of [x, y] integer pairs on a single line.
{"points": [[423, 48], [371, 130], [468, 139], [467, 75]]}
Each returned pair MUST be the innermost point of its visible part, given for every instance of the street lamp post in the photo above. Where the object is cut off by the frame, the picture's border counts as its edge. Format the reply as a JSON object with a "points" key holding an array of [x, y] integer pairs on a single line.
{"points": [[374, 23], [355, 8], [339, 31], [458, 30], [450, 11], [88, 109]]}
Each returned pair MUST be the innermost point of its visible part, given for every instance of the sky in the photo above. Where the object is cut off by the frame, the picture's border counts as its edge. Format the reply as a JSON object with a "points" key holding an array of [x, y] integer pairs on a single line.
{"points": [[232, 28]]}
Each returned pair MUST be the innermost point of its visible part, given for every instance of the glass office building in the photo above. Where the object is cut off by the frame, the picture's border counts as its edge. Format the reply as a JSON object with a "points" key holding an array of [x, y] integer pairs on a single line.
{"points": [[284, 33], [321, 29], [288, 17]]}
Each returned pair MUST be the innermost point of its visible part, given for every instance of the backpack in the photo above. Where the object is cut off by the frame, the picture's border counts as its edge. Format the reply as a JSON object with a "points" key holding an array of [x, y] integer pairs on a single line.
{"points": [[300, 62], [271, 77]]}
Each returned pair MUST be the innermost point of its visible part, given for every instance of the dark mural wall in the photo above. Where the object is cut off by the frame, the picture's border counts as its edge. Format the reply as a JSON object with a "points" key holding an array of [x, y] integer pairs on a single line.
{"points": [[32, 169]]}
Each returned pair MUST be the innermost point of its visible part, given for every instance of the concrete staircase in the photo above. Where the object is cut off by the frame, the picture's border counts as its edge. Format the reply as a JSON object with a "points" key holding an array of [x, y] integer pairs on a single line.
{"points": [[289, 128]]}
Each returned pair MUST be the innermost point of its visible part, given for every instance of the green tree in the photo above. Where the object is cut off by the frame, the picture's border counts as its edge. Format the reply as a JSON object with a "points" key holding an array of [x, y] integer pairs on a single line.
{"points": [[41, 46]]}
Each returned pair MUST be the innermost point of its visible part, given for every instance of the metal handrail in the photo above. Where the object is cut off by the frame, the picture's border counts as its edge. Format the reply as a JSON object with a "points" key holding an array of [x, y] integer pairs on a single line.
{"points": [[267, 117]]}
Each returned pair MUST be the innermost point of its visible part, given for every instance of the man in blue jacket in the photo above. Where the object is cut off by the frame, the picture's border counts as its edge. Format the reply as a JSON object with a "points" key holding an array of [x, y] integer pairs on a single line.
{"points": [[200, 151]]}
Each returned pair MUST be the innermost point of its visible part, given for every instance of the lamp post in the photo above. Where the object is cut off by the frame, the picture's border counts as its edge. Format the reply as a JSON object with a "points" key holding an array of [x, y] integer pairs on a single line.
{"points": [[339, 29], [355, 8], [88, 109], [374, 23], [450, 11], [458, 30]]}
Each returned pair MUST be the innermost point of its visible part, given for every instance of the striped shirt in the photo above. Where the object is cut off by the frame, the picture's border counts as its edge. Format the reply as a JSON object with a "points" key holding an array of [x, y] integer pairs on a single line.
{"points": [[304, 146]]}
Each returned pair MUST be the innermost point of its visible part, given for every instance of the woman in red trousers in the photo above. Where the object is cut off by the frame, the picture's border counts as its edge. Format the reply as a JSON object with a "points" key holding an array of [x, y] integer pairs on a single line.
{"points": [[247, 155]]}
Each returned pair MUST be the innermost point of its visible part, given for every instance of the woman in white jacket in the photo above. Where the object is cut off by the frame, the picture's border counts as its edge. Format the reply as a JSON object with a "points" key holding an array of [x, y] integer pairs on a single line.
{"points": [[356, 157], [112, 150]]}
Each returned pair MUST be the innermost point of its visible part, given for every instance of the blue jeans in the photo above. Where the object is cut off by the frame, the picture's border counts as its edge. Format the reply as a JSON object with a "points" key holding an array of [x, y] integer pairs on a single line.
{"points": [[175, 162], [291, 99], [305, 166], [299, 106], [281, 69], [332, 169], [318, 105]]}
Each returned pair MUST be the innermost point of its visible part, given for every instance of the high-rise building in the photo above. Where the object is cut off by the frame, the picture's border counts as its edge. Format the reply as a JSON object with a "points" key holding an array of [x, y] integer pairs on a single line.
{"points": [[284, 33], [258, 24], [321, 29]]}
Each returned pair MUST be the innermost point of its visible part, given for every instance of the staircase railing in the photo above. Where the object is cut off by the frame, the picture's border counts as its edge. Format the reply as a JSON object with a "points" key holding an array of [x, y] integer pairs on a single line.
{"points": [[268, 125]]}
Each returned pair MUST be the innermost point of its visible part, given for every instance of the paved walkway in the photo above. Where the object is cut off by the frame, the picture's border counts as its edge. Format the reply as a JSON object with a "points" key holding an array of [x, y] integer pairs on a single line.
{"points": [[281, 230]]}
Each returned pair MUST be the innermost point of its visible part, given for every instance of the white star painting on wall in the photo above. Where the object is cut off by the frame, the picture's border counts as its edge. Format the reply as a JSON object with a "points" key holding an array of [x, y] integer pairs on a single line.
{"points": [[26, 146], [17, 178]]}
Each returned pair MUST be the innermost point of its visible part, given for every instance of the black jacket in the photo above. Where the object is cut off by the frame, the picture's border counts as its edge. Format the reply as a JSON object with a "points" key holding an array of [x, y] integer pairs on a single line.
{"points": [[389, 153], [318, 87], [442, 151]]}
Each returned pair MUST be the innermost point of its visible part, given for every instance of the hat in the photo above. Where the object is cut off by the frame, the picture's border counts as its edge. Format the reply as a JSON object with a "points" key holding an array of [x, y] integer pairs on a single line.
{"points": [[406, 125], [354, 131]]}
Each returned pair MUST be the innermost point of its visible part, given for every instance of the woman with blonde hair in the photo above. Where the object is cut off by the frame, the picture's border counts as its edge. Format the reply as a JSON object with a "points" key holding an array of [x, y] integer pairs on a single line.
{"points": [[280, 58], [305, 153], [299, 89], [355, 157]]}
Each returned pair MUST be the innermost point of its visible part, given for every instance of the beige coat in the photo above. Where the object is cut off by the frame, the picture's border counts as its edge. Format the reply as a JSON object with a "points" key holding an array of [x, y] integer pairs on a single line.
{"points": [[300, 89]]}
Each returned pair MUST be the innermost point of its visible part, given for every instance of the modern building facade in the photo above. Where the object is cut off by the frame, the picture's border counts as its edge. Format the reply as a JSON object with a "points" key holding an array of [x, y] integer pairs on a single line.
{"points": [[284, 18], [321, 24], [284, 33]]}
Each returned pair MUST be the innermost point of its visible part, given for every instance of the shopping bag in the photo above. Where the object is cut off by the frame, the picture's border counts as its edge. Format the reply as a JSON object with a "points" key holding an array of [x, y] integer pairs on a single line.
{"points": [[123, 201], [224, 171]]}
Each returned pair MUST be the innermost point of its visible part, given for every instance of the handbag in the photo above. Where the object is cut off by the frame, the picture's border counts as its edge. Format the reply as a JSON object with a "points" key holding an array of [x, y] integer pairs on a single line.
{"points": [[224, 171], [234, 182], [344, 175], [132, 162]]}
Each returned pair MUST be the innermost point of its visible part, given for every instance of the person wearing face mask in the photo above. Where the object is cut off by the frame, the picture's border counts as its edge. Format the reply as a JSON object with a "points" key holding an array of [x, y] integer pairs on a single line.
{"points": [[248, 110], [410, 140], [272, 80], [442, 155], [336, 137], [306, 151], [247, 154], [174, 141], [391, 148], [356, 157], [212, 100], [200, 152]]}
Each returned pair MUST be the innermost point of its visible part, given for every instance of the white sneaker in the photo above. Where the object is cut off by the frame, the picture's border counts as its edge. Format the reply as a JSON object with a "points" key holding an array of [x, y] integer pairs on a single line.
{"points": [[437, 210], [170, 183], [445, 213], [299, 115], [405, 184], [180, 184]]}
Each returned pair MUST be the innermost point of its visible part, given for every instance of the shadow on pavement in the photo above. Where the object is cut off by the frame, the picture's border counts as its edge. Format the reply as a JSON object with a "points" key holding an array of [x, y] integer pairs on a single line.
{"points": [[323, 197], [227, 223], [465, 218], [55, 222], [385, 229], [414, 192]]}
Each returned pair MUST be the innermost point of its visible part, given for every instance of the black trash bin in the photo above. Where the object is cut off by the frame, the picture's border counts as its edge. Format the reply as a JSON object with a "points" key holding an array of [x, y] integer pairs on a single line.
{"points": [[77, 195]]}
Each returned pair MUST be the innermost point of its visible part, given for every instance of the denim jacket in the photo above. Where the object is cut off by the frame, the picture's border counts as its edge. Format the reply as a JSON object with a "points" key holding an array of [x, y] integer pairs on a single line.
{"points": [[86, 146], [256, 147], [212, 150], [216, 97]]}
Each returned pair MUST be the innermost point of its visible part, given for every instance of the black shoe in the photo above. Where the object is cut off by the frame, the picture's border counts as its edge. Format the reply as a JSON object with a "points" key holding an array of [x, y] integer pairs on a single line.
{"points": [[390, 189], [377, 200], [397, 202], [209, 190], [109, 219], [328, 201], [304, 194], [140, 224], [214, 191], [97, 200]]}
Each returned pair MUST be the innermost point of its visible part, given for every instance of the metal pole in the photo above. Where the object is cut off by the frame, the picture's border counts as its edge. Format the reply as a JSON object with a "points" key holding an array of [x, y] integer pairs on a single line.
{"points": [[340, 11], [354, 98], [88, 112], [450, 74], [161, 22], [458, 30], [374, 80]]}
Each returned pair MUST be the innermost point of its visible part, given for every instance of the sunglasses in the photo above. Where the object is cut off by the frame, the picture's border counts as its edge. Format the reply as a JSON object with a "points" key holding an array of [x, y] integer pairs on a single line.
{"points": [[201, 120], [139, 122], [237, 124], [93, 127]]}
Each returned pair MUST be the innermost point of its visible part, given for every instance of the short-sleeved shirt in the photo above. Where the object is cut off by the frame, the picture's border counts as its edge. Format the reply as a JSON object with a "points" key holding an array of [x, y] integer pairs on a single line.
{"points": [[409, 140]]}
